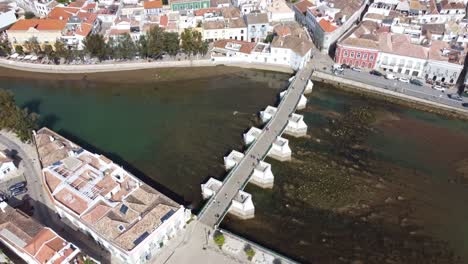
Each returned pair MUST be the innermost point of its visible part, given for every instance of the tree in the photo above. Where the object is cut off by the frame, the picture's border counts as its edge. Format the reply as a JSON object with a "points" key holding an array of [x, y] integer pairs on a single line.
{"points": [[19, 50], [14, 118], [49, 51], [143, 46], [126, 48], [5, 48], [61, 51], [249, 251], [269, 38], [32, 45], [218, 238], [29, 15], [171, 43], [155, 42], [95, 46]]}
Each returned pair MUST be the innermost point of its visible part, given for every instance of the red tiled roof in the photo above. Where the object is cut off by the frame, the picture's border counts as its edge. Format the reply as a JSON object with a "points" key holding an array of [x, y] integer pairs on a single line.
{"points": [[201, 12], [327, 26], [163, 21], [153, 4], [84, 30], [246, 47], [63, 13], [303, 6], [39, 24]]}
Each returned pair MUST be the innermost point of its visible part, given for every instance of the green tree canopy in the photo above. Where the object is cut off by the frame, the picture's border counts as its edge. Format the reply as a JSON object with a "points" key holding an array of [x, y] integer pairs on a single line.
{"points": [[95, 46], [5, 48], [126, 48], [171, 43], [155, 38], [29, 15], [14, 118], [19, 49]]}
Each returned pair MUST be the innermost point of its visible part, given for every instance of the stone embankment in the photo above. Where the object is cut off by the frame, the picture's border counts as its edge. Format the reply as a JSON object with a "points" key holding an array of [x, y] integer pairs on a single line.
{"points": [[415, 102], [128, 66]]}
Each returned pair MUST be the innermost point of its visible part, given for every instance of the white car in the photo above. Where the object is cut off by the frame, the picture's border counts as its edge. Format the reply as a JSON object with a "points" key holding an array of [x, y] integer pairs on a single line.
{"points": [[405, 80], [438, 88], [390, 76]]}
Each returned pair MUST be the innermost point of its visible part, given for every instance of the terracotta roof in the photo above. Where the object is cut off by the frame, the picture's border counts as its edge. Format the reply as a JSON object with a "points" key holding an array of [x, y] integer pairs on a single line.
{"points": [[78, 4], [201, 12], [246, 47], [400, 44], [153, 4], [39, 24], [303, 6], [163, 21], [84, 29], [327, 26], [282, 30], [63, 13]]}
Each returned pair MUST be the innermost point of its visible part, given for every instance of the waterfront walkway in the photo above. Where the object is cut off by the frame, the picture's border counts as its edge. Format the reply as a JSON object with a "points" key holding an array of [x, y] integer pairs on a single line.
{"points": [[217, 206], [110, 66]]}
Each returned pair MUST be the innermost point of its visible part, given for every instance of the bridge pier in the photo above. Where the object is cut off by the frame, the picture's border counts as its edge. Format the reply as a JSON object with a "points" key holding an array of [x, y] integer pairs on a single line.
{"points": [[268, 113], [233, 159], [210, 188], [280, 149], [242, 206], [309, 87], [296, 126], [262, 176], [251, 135]]}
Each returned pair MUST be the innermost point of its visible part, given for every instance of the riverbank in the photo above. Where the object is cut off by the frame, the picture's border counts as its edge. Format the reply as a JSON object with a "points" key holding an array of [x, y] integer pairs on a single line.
{"points": [[391, 96], [130, 66]]}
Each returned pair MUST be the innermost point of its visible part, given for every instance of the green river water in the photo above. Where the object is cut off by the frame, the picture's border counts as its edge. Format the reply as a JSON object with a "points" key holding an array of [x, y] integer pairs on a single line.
{"points": [[174, 135]]}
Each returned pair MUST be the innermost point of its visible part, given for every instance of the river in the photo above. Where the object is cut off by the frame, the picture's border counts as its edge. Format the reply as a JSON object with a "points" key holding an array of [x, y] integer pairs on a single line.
{"points": [[405, 202]]}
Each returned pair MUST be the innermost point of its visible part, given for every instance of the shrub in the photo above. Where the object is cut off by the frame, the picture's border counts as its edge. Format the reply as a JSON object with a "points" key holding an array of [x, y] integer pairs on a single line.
{"points": [[218, 238], [249, 252]]}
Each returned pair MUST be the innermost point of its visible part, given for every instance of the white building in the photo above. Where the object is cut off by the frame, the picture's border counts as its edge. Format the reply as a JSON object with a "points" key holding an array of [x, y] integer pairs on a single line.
{"points": [[399, 55], [279, 11], [7, 165], [445, 63], [34, 243], [327, 21], [122, 214]]}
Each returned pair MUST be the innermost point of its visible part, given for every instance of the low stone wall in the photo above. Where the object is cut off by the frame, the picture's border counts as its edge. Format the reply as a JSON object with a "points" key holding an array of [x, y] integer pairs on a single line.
{"points": [[333, 79], [127, 66]]}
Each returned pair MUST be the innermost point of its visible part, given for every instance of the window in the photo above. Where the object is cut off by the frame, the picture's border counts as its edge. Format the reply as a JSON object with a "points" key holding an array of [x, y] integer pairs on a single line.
{"points": [[345, 53], [352, 54]]}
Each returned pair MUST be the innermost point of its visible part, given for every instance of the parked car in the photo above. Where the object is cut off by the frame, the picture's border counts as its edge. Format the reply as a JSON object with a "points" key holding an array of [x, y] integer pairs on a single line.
{"points": [[416, 82], [17, 186], [455, 97], [19, 191], [438, 88], [337, 67], [404, 80], [376, 73], [390, 76], [356, 69]]}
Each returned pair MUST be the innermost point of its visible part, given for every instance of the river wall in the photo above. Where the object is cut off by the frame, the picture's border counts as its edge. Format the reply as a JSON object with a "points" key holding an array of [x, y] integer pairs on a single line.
{"points": [[411, 101], [127, 66]]}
